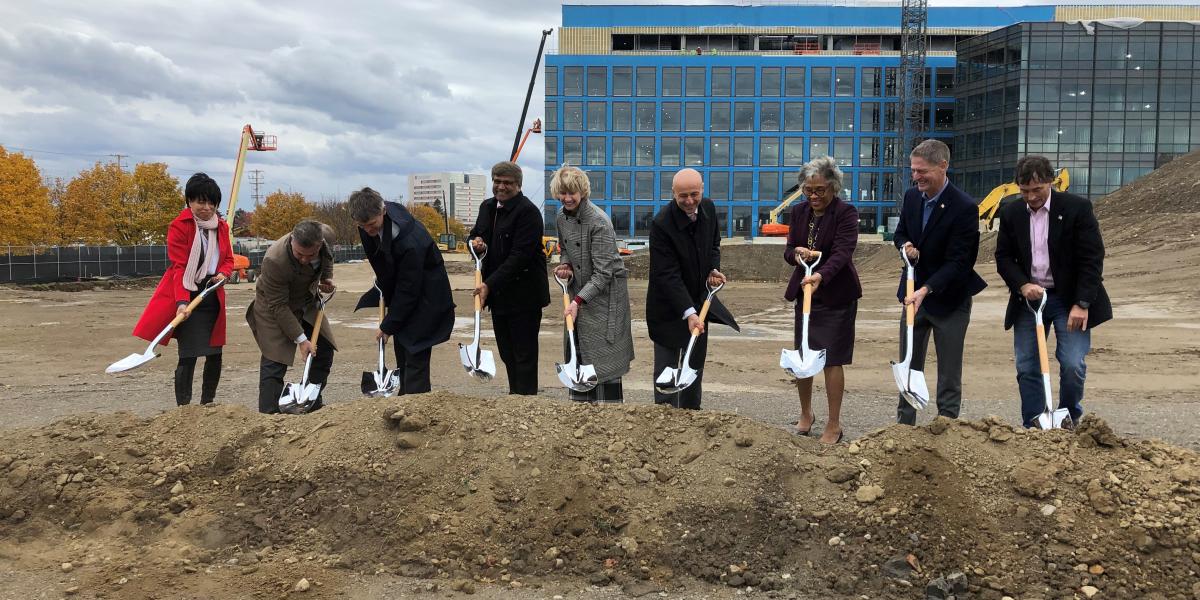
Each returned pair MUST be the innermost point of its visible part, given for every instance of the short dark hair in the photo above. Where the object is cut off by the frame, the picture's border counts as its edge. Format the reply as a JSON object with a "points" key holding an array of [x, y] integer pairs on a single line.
{"points": [[508, 168], [202, 187], [309, 233], [364, 205], [1033, 169]]}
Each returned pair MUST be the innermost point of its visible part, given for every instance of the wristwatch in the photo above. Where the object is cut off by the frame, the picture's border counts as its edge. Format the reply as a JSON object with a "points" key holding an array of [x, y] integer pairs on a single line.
{"points": [[1084, 304]]}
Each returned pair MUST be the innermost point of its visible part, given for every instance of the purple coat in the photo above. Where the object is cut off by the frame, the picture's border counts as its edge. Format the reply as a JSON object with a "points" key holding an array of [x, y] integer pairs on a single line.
{"points": [[836, 239]]}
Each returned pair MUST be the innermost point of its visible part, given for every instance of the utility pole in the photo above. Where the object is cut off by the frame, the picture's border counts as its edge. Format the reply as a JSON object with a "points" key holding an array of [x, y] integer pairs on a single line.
{"points": [[118, 158], [256, 179]]}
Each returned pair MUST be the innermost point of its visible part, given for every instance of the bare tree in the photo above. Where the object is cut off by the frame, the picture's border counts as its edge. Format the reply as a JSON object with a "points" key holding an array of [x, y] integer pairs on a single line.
{"points": [[335, 214]]}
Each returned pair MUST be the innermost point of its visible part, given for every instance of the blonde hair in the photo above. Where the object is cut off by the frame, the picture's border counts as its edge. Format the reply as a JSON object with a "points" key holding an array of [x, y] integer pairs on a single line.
{"points": [[570, 180]]}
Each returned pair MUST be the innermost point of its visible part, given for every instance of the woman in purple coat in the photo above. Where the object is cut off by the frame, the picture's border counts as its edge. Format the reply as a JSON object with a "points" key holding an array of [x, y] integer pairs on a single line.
{"points": [[827, 224]]}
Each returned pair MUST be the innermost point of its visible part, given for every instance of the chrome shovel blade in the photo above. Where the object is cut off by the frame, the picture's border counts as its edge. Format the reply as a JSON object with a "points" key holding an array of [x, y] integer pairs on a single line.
{"points": [[802, 366], [912, 385], [131, 362]]}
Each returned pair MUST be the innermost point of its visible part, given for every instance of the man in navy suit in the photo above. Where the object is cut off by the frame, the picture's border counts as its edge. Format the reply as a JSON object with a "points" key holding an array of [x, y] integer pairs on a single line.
{"points": [[1050, 244], [939, 231]]}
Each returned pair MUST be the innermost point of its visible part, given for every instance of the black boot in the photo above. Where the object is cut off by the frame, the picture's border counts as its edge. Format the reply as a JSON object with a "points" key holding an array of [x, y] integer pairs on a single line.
{"points": [[212, 376], [184, 372]]}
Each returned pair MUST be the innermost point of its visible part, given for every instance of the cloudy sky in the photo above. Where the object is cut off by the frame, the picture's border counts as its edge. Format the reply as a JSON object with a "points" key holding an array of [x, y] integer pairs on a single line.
{"points": [[358, 92]]}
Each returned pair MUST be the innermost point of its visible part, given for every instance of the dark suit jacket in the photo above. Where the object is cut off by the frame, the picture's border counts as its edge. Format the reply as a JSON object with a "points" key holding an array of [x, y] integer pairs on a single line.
{"points": [[515, 266], [836, 238], [949, 245], [679, 267], [1076, 255], [409, 269]]}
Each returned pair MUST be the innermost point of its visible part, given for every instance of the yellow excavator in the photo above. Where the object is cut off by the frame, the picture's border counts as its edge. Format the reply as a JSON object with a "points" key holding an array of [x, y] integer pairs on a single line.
{"points": [[990, 205]]}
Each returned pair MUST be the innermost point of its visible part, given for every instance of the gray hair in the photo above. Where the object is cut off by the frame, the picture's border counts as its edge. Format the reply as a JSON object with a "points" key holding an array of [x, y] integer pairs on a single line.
{"points": [[826, 168], [309, 233], [1033, 169], [364, 205], [934, 152], [508, 169]]}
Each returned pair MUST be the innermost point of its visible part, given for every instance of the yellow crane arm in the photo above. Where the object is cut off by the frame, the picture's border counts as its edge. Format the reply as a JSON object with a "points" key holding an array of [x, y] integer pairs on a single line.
{"points": [[782, 205]]}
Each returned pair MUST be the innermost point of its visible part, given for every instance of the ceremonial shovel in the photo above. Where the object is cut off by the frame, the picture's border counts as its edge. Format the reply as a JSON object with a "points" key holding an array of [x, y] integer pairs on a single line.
{"points": [[383, 382], [478, 362], [298, 398], [136, 360], [673, 380], [911, 383], [581, 378], [1050, 418], [804, 362]]}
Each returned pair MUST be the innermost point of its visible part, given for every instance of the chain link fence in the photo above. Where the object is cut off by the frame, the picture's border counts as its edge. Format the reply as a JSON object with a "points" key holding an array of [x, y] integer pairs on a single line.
{"points": [[47, 264]]}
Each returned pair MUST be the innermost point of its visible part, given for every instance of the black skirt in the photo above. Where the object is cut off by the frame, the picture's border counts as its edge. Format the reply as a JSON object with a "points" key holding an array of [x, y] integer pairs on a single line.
{"points": [[830, 329], [194, 333]]}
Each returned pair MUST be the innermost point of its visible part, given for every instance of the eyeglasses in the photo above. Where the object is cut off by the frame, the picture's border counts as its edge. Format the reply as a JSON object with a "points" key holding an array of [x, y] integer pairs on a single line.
{"points": [[814, 191]]}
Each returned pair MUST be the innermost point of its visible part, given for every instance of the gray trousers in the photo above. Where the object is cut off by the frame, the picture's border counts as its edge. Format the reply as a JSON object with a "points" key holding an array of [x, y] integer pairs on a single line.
{"points": [[949, 335]]}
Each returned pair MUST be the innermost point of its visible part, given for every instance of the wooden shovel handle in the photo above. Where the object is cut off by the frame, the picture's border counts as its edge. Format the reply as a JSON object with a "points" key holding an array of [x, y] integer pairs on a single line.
{"points": [[317, 328], [382, 309], [808, 287], [566, 305], [910, 311], [703, 315], [478, 282], [179, 318], [1043, 354]]}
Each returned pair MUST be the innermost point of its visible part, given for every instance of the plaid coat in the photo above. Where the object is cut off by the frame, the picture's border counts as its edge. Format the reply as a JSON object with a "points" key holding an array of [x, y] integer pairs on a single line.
{"points": [[602, 330]]}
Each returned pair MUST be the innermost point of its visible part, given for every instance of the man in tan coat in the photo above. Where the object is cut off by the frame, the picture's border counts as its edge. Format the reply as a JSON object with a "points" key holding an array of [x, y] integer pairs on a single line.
{"points": [[285, 306]]}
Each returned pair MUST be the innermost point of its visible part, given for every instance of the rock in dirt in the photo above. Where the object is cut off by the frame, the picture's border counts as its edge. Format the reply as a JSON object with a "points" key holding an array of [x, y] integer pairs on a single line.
{"points": [[639, 588], [1099, 498], [302, 586], [1089, 591], [1034, 478], [841, 474], [939, 425], [868, 494], [897, 567]]}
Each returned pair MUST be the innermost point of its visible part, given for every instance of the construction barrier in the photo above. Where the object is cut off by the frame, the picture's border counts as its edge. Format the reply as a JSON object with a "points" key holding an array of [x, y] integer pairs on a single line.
{"points": [[46, 264]]}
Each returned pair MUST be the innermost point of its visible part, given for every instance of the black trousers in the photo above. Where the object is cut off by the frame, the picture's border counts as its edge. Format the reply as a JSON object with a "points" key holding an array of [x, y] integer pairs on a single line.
{"points": [[670, 357], [271, 373], [517, 340], [185, 372], [413, 369]]}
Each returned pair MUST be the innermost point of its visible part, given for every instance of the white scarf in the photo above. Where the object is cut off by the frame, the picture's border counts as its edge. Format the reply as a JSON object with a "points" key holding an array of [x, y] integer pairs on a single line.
{"points": [[194, 273]]}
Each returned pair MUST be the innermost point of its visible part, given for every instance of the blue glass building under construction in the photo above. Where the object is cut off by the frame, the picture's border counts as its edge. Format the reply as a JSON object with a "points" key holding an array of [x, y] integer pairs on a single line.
{"points": [[746, 94]]}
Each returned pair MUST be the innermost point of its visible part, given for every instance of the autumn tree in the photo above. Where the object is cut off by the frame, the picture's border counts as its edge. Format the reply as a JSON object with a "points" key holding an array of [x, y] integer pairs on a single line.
{"points": [[152, 200], [429, 217], [241, 223], [91, 205], [279, 213], [337, 216], [27, 216]]}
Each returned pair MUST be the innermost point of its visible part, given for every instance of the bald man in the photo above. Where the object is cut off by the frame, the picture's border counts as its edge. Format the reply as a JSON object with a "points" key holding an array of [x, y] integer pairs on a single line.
{"points": [[685, 257]]}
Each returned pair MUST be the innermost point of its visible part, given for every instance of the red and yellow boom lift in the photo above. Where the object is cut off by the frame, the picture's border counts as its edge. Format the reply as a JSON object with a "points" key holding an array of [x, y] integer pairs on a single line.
{"points": [[255, 141]]}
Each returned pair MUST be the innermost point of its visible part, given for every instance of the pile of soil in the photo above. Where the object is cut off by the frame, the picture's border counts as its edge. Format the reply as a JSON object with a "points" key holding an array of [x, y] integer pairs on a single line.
{"points": [[1160, 208], [87, 285], [525, 491]]}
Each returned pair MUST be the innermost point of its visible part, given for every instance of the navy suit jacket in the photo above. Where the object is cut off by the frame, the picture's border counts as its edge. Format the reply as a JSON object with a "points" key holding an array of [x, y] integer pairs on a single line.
{"points": [[949, 245]]}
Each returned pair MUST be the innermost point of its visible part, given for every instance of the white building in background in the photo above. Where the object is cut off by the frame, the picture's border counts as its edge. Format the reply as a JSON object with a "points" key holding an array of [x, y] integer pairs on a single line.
{"points": [[460, 193]]}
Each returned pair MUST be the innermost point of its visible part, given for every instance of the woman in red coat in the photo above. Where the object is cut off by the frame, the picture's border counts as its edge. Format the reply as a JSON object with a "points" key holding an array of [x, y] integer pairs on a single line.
{"points": [[200, 252]]}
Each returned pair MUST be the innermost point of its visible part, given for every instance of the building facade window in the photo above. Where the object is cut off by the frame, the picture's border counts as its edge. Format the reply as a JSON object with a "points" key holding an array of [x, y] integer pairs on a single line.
{"points": [[744, 81], [822, 81], [768, 118], [573, 81], [551, 81], [872, 82], [595, 151], [551, 116], [768, 186], [843, 82], [743, 217], [643, 217], [597, 81], [793, 116], [793, 151], [721, 83], [645, 116], [843, 151], [620, 187], [572, 116], [670, 151], [869, 117], [693, 151], [770, 81], [622, 116], [743, 185], [793, 82], [597, 116], [693, 117], [718, 152], [743, 152], [573, 150], [818, 146], [622, 151], [743, 116], [645, 152], [596, 182], [672, 81], [843, 116], [768, 151], [718, 185], [643, 185], [819, 119], [719, 116], [551, 150], [695, 81], [619, 213], [671, 117], [622, 81], [647, 82]]}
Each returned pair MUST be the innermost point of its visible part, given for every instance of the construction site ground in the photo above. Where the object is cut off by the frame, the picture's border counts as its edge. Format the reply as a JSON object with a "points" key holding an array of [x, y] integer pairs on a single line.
{"points": [[108, 490]]}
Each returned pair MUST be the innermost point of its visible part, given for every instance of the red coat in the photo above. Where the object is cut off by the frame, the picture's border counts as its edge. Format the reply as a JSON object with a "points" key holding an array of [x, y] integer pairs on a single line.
{"points": [[162, 306]]}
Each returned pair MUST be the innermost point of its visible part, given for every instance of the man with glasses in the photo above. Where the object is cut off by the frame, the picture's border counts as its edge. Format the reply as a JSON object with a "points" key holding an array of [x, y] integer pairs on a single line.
{"points": [[514, 288], [939, 232]]}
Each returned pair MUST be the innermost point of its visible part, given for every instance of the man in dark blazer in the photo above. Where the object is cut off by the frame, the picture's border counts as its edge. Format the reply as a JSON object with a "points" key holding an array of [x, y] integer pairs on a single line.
{"points": [[685, 257], [939, 231], [1050, 244], [515, 287], [410, 273]]}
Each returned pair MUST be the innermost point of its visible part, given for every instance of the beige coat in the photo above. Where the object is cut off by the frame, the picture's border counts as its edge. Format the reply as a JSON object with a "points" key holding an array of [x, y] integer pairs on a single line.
{"points": [[285, 293]]}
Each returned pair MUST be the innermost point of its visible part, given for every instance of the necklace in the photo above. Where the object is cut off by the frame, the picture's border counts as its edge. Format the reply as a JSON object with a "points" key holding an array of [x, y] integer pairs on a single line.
{"points": [[813, 229]]}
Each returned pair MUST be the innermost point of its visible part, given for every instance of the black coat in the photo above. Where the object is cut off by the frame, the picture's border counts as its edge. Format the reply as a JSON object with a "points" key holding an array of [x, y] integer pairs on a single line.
{"points": [[949, 245], [1076, 256], [679, 266], [409, 269], [515, 266]]}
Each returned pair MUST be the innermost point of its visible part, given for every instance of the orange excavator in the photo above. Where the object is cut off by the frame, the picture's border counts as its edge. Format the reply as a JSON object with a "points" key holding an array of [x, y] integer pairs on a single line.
{"points": [[255, 141]]}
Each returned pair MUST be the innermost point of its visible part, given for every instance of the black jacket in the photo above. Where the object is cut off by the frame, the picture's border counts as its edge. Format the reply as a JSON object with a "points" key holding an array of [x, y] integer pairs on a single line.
{"points": [[515, 266], [409, 269], [949, 245], [1076, 256], [680, 262]]}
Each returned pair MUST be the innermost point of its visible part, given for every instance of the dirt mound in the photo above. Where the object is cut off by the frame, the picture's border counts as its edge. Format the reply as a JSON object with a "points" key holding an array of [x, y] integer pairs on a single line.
{"points": [[87, 285], [764, 262], [517, 491], [1156, 211]]}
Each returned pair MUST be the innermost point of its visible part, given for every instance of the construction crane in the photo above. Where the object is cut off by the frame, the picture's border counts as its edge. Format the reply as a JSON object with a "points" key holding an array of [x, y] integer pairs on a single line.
{"points": [[256, 141], [914, 41], [990, 205]]}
